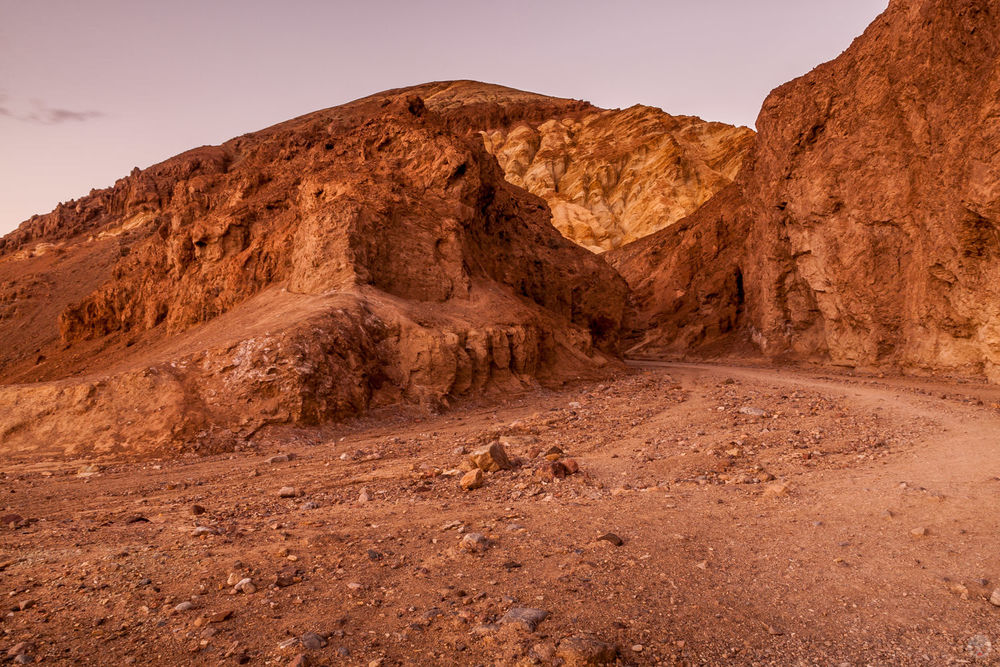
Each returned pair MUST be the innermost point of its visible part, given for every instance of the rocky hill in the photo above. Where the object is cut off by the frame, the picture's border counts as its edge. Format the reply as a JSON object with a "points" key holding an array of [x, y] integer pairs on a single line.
{"points": [[359, 256], [864, 228]]}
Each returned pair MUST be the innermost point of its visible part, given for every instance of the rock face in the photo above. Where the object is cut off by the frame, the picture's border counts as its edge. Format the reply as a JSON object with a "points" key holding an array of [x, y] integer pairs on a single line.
{"points": [[364, 255], [614, 176], [864, 229]]}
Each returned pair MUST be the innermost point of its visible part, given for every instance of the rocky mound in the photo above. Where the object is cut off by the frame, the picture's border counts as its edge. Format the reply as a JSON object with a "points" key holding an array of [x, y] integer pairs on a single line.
{"points": [[865, 227], [614, 176], [360, 256]]}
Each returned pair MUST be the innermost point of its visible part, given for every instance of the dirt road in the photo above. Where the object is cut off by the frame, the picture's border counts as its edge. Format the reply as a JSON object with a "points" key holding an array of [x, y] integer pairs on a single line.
{"points": [[765, 516]]}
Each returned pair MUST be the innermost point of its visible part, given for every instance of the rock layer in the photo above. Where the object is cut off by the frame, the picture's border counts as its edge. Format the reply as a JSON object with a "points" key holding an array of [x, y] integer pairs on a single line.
{"points": [[363, 255], [865, 226]]}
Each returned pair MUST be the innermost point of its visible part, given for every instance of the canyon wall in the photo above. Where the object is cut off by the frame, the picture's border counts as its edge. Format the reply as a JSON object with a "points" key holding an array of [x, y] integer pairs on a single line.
{"points": [[865, 225]]}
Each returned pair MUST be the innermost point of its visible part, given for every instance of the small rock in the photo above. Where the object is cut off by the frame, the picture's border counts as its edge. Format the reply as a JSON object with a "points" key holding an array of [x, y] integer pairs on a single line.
{"points": [[919, 532], [777, 490], [612, 538], [89, 471], [638, 648], [364, 496], [524, 617], [245, 585], [197, 510], [491, 459], [544, 653], [431, 614], [233, 579], [286, 577], [551, 470], [184, 606], [312, 641], [582, 650], [201, 530], [474, 542], [288, 492], [752, 411], [278, 458], [220, 616], [472, 480], [301, 660], [572, 467], [959, 589], [11, 520], [995, 597], [20, 648]]}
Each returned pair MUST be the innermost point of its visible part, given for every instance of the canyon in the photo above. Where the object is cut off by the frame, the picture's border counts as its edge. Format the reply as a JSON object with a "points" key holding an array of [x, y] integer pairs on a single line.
{"points": [[463, 374]]}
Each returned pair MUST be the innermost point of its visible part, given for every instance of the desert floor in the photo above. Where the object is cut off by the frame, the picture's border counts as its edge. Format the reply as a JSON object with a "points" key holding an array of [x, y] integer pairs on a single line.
{"points": [[766, 516]]}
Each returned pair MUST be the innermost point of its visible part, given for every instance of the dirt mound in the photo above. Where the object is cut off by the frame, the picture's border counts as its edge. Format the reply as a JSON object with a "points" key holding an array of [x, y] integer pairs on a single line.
{"points": [[865, 229], [358, 256]]}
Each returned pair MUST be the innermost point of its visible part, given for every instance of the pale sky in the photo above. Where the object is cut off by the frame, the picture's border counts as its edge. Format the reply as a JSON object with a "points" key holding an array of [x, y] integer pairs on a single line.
{"points": [[90, 89]]}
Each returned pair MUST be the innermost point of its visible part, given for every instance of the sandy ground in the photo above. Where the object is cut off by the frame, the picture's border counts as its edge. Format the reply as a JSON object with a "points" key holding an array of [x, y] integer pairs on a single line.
{"points": [[769, 517]]}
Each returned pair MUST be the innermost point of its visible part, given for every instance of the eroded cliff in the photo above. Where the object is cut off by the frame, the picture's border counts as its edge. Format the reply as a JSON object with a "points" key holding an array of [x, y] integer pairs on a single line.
{"points": [[865, 226]]}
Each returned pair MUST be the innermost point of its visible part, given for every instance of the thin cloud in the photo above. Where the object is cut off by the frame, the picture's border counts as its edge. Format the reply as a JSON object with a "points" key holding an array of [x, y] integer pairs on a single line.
{"points": [[45, 115], [51, 116]]}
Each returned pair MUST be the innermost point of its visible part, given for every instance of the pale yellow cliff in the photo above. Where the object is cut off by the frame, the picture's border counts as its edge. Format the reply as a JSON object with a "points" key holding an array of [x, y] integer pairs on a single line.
{"points": [[614, 176]]}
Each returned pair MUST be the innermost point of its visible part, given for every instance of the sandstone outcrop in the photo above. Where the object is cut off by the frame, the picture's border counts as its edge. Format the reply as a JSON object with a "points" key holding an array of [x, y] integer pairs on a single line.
{"points": [[864, 228], [359, 256], [614, 176]]}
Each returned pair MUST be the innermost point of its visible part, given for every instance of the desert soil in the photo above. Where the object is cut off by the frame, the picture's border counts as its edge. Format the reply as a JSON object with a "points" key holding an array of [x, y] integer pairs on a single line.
{"points": [[766, 516]]}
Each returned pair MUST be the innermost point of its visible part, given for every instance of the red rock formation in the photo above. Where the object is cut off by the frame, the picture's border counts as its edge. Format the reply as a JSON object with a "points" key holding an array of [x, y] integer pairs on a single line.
{"points": [[610, 176], [366, 254], [869, 209]]}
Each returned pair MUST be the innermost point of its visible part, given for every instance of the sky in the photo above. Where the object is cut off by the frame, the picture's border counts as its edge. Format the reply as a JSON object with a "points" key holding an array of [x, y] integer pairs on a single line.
{"points": [[89, 90]]}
